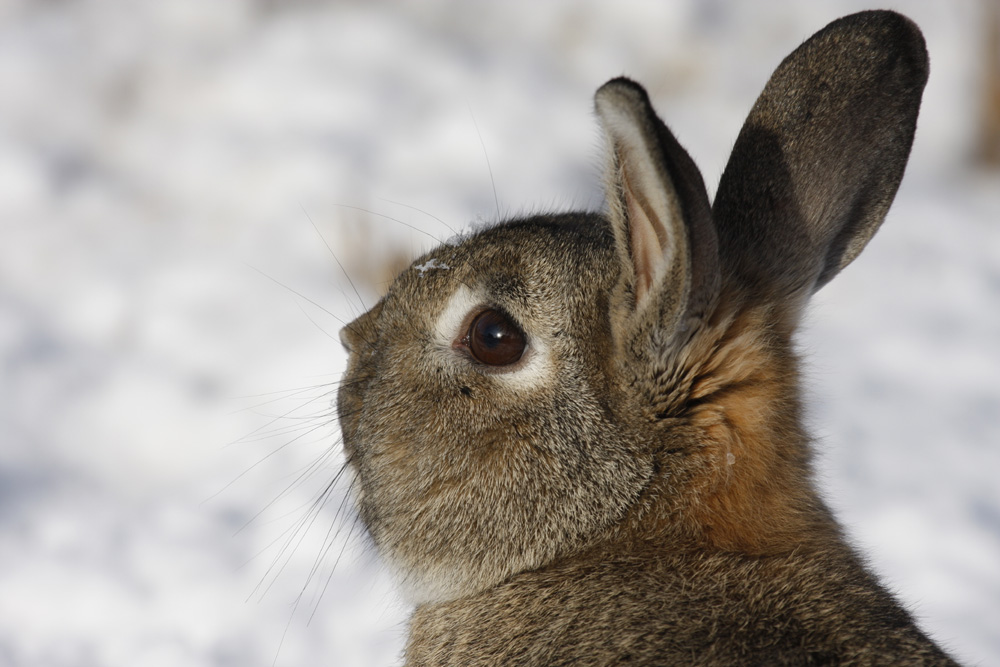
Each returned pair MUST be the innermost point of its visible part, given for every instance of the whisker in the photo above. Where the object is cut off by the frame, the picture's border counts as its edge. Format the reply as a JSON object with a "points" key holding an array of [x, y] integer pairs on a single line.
{"points": [[316, 324], [291, 391], [298, 294], [420, 210], [396, 220], [304, 474], [287, 415], [301, 530], [328, 542], [335, 258], [260, 461], [329, 578], [482, 143]]}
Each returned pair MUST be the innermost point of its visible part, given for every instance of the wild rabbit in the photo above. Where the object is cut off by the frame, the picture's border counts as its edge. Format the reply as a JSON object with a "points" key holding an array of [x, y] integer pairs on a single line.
{"points": [[578, 437]]}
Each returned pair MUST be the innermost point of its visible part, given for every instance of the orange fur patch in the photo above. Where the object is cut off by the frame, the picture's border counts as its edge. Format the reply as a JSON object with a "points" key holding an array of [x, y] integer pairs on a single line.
{"points": [[751, 495]]}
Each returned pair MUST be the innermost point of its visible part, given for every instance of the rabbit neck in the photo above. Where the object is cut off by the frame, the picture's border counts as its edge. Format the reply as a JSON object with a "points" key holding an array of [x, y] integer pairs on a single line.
{"points": [[734, 465]]}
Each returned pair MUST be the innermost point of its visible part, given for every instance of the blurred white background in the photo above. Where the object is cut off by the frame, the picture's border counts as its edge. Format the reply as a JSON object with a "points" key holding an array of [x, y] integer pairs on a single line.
{"points": [[159, 166]]}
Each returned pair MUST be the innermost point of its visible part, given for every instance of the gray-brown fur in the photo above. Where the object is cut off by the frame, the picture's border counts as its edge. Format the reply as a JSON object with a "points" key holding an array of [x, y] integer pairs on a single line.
{"points": [[637, 487]]}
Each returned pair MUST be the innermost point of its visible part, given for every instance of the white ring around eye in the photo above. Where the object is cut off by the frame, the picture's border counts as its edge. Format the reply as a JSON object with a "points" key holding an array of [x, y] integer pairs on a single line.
{"points": [[535, 368]]}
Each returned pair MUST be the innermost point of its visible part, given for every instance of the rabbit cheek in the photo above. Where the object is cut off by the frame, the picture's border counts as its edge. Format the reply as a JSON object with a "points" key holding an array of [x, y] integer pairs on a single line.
{"points": [[453, 513]]}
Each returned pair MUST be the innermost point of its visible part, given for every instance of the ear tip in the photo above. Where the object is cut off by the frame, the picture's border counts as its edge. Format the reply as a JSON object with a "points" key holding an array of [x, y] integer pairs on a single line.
{"points": [[909, 37], [622, 83], [884, 19], [891, 33], [618, 93]]}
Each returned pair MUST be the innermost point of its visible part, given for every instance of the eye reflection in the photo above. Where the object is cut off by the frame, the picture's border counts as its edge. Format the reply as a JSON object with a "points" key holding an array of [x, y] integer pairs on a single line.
{"points": [[494, 340]]}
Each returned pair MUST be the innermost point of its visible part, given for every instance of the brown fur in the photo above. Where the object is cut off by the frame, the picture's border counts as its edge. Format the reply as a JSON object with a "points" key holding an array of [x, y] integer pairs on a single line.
{"points": [[597, 610], [637, 486], [751, 500]]}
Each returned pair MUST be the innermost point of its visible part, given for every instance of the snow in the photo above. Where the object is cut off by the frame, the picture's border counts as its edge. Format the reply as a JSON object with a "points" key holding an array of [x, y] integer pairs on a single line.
{"points": [[161, 165], [430, 265]]}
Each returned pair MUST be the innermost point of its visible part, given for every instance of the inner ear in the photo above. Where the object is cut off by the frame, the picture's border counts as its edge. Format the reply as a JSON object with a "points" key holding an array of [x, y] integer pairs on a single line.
{"points": [[651, 212], [659, 209]]}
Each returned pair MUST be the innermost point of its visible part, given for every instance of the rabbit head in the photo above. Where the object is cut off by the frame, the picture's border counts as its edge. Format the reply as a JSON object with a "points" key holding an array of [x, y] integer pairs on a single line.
{"points": [[557, 382]]}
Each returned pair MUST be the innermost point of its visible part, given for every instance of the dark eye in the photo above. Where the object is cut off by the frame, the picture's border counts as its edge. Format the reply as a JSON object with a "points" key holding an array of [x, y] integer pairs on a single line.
{"points": [[494, 340]]}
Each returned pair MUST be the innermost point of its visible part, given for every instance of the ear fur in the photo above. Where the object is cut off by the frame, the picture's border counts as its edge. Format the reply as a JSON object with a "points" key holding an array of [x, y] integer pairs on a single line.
{"points": [[660, 214], [820, 158]]}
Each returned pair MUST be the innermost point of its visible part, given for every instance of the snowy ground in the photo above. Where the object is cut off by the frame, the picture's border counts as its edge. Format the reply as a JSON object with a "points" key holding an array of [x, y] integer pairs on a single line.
{"points": [[159, 163]]}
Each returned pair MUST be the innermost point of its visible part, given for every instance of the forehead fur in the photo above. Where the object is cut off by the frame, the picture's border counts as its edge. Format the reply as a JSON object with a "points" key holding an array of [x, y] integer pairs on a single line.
{"points": [[515, 264]]}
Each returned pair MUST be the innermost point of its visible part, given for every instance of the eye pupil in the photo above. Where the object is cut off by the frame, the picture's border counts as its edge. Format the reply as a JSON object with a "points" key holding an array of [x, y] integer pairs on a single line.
{"points": [[494, 340]]}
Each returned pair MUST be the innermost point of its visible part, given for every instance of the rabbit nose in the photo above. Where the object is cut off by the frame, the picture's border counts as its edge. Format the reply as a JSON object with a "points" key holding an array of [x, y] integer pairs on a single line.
{"points": [[360, 333], [345, 338], [357, 334]]}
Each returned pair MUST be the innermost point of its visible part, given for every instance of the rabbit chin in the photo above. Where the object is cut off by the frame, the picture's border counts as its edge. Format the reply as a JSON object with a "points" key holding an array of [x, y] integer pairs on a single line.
{"points": [[415, 585], [425, 587], [440, 582]]}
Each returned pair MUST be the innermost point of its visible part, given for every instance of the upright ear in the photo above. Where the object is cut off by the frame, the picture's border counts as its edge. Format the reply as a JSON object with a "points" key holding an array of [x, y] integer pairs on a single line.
{"points": [[820, 158], [661, 218]]}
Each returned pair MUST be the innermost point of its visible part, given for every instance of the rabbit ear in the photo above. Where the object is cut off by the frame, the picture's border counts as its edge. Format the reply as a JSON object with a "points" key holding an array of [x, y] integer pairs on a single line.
{"points": [[821, 155], [659, 211]]}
